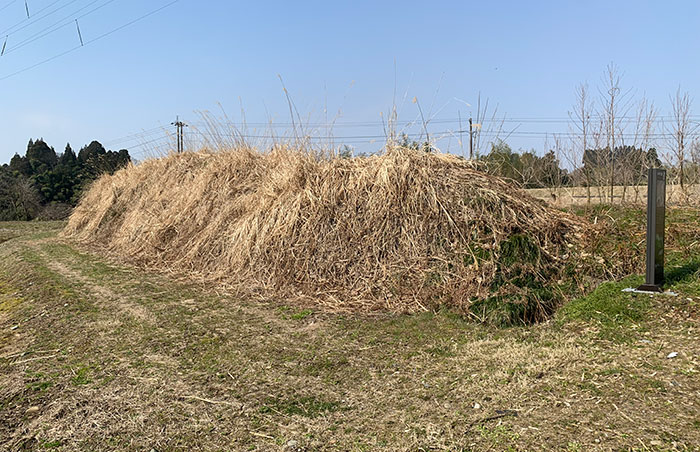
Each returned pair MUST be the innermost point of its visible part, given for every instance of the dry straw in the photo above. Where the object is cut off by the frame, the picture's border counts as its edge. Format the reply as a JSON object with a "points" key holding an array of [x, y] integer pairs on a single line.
{"points": [[402, 231]]}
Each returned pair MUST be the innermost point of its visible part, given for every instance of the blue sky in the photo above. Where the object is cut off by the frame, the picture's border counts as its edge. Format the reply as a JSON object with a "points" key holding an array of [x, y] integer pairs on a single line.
{"points": [[526, 57]]}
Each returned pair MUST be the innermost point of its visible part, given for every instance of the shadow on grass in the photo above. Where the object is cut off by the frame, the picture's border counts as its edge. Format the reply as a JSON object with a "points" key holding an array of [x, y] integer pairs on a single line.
{"points": [[683, 273]]}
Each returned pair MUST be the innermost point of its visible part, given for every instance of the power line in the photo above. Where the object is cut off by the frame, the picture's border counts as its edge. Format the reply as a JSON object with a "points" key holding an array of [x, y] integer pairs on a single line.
{"points": [[145, 143], [364, 138], [135, 136], [11, 30], [8, 5], [370, 138], [451, 132], [504, 120], [55, 26], [90, 41]]}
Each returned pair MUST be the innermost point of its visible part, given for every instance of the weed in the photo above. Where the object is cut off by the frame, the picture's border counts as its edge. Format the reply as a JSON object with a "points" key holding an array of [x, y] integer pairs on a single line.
{"points": [[302, 314], [501, 436], [82, 376], [310, 407]]}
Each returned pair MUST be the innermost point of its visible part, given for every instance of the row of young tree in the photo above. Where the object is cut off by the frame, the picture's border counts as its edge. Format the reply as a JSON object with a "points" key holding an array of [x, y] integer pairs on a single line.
{"points": [[613, 140], [44, 184]]}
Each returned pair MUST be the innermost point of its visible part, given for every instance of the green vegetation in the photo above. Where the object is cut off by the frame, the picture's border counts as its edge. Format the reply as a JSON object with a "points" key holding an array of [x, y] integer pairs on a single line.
{"points": [[525, 168], [608, 305], [303, 406], [46, 185], [140, 361]]}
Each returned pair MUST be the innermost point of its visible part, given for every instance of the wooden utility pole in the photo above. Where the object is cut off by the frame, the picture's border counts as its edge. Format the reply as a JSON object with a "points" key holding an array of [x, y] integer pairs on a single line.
{"points": [[471, 141], [461, 142], [179, 125]]}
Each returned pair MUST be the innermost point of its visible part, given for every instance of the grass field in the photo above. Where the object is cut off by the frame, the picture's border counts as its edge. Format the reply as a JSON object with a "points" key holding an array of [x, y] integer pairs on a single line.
{"points": [[632, 194], [96, 355]]}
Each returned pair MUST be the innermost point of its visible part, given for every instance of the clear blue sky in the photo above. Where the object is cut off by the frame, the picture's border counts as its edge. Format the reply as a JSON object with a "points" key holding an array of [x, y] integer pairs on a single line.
{"points": [[525, 56]]}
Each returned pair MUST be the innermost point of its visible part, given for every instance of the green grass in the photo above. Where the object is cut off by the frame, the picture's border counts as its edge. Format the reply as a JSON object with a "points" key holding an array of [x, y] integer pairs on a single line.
{"points": [[302, 314], [608, 305], [610, 309], [310, 407], [172, 365], [82, 376]]}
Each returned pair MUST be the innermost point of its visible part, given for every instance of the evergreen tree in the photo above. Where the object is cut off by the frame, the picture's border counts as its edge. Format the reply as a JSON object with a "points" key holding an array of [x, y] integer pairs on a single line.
{"points": [[42, 180], [20, 165], [68, 158], [41, 157]]}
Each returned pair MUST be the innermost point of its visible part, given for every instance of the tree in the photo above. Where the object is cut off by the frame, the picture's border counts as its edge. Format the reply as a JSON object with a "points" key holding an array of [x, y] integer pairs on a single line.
{"points": [[19, 199], [68, 158], [548, 173], [503, 162], [96, 160], [615, 104], [91, 151], [679, 131], [582, 122], [46, 182], [20, 165], [41, 157], [643, 139]]}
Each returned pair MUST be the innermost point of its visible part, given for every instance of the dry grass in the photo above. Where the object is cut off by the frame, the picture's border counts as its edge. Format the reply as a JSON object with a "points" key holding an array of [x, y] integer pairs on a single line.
{"points": [[629, 195], [403, 231], [96, 356]]}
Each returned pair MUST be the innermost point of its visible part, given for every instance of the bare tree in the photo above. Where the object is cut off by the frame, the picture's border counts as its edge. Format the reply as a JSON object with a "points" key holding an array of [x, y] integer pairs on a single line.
{"points": [[581, 117], [615, 105], [643, 139], [598, 176], [24, 199], [695, 159], [679, 131]]}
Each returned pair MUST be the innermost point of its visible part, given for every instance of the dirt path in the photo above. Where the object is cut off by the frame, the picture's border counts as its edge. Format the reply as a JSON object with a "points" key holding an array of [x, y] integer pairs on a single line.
{"points": [[103, 295]]}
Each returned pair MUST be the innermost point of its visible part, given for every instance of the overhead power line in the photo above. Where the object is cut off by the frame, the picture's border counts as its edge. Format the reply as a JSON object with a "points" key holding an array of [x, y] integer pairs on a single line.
{"points": [[503, 134], [104, 35], [58, 25], [135, 136], [8, 5], [231, 130], [456, 121], [36, 18]]}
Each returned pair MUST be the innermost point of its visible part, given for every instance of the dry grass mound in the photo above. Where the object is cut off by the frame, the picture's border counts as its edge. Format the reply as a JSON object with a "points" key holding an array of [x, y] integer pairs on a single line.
{"points": [[402, 231]]}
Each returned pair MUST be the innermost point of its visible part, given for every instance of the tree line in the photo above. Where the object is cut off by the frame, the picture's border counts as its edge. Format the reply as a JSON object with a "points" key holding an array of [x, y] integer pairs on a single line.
{"points": [[614, 137], [46, 185], [527, 169]]}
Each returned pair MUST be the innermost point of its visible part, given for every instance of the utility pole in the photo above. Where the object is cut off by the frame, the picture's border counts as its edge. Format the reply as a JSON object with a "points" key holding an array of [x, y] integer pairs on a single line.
{"points": [[471, 141], [473, 130], [461, 142], [179, 125]]}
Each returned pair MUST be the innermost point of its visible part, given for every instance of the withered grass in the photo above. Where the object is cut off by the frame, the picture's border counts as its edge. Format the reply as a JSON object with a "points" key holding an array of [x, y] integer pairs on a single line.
{"points": [[402, 231]]}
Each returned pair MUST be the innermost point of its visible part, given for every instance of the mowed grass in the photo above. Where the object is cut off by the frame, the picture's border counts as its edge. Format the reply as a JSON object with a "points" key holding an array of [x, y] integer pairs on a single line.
{"points": [[96, 355]]}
